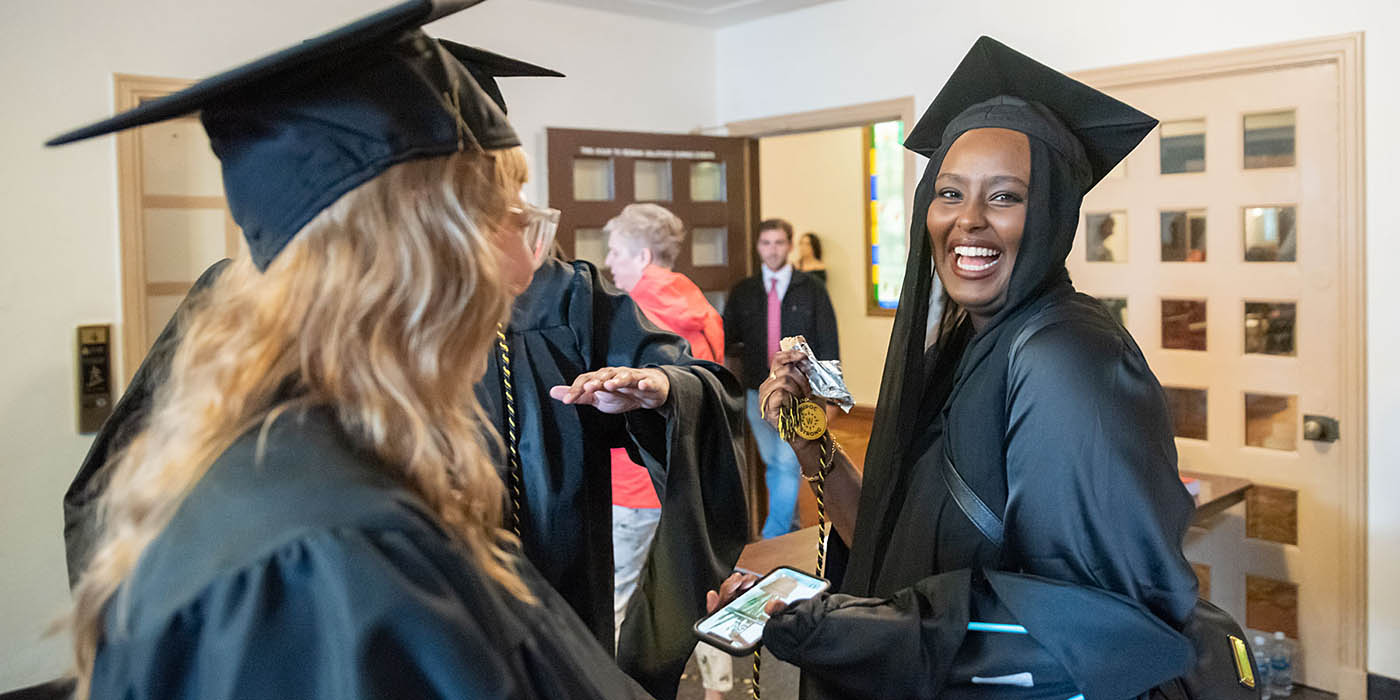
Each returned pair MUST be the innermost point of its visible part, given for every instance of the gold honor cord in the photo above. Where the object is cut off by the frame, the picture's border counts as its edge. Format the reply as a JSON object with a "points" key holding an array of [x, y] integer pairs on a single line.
{"points": [[807, 419], [512, 432], [757, 659]]}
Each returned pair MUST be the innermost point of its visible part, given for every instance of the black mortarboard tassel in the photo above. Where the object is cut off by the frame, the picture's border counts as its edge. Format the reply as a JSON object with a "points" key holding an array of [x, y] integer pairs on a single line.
{"points": [[1106, 128], [296, 130], [486, 67]]}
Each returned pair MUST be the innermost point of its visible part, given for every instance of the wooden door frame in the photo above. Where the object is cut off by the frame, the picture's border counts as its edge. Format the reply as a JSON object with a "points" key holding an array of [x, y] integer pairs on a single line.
{"points": [[1345, 51], [130, 91], [900, 108]]}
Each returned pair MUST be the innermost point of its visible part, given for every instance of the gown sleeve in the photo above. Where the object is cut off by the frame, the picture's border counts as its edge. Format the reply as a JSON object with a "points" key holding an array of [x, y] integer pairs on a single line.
{"points": [[351, 614], [1094, 523], [692, 450], [1094, 496]]}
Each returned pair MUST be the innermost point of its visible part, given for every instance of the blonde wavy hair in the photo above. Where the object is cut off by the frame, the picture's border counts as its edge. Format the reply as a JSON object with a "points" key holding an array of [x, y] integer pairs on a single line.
{"points": [[383, 308]]}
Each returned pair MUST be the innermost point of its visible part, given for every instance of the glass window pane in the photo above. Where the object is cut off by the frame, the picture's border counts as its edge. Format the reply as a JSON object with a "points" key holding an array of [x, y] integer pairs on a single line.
{"points": [[1269, 139], [1271, 421], [1106, 236], [1188, 409], [1184, 146], [707, 182], [1271, 605], [1117, 308], [590, 244], [1184, 324], [652, 180], [709, 246], [1268, 327], [1270, 234], [717, 299], [1271, 513], [1202, 579], [1184, 235], [885, 223], [593, 179]]}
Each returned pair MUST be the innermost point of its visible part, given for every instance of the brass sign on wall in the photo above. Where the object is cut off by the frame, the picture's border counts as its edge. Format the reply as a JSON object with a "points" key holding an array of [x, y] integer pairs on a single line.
{"points": [[94, 377]]}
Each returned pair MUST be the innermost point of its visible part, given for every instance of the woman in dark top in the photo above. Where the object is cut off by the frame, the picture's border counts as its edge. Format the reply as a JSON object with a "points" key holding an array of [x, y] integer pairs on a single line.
{"points": [[809, 256], [311, 510], [1034, 400]]}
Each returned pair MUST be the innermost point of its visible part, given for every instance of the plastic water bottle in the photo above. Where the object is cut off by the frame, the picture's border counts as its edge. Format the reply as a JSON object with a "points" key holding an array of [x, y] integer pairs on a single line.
{"points": [[1261, 661], [1281, 667]]}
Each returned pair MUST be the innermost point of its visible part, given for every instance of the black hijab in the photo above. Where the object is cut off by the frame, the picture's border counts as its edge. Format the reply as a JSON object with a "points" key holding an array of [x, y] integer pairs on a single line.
{"points": [[1076, 136]]}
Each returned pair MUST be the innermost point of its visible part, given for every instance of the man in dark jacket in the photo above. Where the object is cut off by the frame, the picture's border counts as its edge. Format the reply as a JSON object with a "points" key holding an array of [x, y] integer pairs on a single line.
{"points": [[761, 310]]}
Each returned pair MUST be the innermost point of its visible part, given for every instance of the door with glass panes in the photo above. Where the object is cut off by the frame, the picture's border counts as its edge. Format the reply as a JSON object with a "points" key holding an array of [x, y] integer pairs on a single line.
{"points": [[175, 222], [1221, 244], [705, 180]]}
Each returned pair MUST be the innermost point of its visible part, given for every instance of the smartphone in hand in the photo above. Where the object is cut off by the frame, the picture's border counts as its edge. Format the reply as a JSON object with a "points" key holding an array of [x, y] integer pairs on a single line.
{"points": [[737, 628]]}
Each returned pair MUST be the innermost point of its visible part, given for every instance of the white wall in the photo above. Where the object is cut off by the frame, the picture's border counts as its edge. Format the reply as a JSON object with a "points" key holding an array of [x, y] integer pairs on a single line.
{"points": [[813, 181], [60, 267], [858, 51]]}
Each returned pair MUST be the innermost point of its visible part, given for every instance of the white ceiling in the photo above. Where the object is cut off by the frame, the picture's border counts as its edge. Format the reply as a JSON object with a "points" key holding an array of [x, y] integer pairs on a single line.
{"points": [[708, 13]]}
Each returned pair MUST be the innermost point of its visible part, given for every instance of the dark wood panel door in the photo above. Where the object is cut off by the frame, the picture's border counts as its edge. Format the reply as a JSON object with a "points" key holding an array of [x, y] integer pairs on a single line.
{"points": [[710, 182]]}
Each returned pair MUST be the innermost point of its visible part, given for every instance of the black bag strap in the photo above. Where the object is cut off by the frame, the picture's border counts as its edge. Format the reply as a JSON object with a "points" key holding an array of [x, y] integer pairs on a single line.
{"points": [[987, 521], [972, 505]]}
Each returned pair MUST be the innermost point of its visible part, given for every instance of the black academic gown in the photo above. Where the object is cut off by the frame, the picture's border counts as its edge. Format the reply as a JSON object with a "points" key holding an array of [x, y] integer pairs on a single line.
{"points": [[301, 569], [570, 321], [1067, 438], [81, 529], [567, 322]]}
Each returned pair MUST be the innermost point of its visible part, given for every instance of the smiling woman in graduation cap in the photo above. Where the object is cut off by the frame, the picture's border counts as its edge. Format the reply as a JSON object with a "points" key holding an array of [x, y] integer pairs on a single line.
{"points": [[310, 511], [1018, 530]]}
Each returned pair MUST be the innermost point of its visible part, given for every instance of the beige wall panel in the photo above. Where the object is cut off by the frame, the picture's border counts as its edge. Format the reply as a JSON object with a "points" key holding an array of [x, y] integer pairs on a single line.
{"points": [[175, 160], [815, 181], [181, 243], [159, 309]]}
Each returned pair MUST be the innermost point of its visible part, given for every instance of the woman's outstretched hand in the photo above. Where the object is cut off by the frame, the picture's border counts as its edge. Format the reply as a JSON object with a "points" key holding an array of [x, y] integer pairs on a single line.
{"points": [[616, 389]]}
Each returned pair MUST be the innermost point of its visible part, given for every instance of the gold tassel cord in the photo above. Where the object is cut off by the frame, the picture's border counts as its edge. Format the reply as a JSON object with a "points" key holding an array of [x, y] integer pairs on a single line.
{"points": [[819, 489], [757, 659], [512, 432]]}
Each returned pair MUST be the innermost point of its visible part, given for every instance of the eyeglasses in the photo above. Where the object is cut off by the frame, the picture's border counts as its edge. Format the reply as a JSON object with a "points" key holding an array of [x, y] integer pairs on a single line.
{"points": [[538, 226]]}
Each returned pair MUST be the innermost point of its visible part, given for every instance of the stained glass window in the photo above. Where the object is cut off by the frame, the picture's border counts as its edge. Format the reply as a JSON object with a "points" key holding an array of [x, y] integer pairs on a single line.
{"points": [[885, 225]]}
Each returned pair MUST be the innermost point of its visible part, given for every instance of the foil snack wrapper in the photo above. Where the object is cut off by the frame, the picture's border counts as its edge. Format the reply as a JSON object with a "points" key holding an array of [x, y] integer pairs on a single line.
{"points": [[824, 375]]}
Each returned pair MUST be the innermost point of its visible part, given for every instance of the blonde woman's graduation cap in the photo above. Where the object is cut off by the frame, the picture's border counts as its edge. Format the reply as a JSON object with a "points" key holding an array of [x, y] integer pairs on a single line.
{"points": [[486, 66], [297, 129]]}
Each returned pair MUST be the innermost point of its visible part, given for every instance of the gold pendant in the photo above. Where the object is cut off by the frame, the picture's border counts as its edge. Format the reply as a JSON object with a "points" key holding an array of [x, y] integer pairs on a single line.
{"points": [[811, 420]]}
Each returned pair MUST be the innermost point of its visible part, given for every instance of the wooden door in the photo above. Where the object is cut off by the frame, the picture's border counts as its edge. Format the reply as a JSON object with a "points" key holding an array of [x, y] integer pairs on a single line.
{"points": [[1223, 244], [174, 219], [707, 181]]}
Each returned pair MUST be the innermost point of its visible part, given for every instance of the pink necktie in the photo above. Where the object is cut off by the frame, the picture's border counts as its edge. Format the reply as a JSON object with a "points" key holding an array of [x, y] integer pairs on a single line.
{"points": [[775, 319]]}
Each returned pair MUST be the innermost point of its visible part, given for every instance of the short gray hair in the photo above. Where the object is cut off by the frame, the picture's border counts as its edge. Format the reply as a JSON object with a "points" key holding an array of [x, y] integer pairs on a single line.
{"points": [[649, 226]]}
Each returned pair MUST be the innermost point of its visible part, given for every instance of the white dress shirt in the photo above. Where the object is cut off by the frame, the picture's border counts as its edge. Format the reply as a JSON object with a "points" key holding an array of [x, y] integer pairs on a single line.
{"points": [[783, 276]]}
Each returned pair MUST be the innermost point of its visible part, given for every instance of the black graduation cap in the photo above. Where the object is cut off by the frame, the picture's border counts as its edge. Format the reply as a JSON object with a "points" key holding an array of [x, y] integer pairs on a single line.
{"points": [[299, 128], [485, 67], [1106, 128]]}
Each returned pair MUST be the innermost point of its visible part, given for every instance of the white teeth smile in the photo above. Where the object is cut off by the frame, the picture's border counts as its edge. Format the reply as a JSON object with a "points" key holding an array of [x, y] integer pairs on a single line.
{"points": [[975, 252], [966, 251]]}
